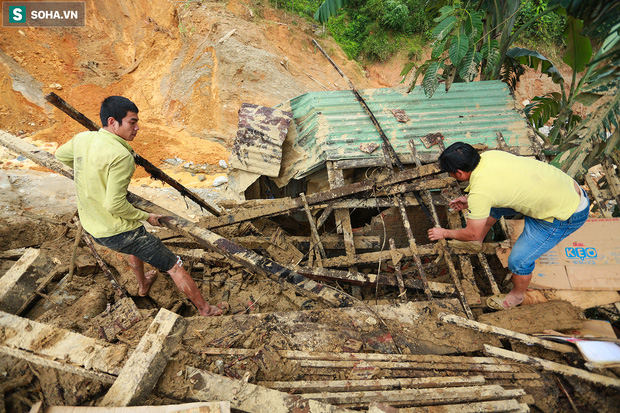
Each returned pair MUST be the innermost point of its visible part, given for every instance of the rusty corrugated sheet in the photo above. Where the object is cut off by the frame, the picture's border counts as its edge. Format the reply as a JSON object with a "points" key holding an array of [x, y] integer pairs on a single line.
{"points": [[332, 126], [258, 145]]}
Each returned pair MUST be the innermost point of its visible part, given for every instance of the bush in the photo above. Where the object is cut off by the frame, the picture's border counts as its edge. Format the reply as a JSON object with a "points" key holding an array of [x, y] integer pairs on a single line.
{"points": [[548, 29], [379, 46]]}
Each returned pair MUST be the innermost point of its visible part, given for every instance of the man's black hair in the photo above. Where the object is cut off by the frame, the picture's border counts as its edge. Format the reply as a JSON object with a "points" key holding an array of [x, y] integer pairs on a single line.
{"points": [[457, 156], [116, 107]]}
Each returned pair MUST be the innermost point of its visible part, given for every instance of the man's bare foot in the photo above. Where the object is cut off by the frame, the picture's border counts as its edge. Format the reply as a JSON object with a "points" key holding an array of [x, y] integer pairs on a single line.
{"points": [[150, 277], [215, 310]]}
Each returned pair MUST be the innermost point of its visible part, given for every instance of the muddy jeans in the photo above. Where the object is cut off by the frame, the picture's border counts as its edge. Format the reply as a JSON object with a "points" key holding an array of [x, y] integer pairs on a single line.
{"points": [[143, 245]]}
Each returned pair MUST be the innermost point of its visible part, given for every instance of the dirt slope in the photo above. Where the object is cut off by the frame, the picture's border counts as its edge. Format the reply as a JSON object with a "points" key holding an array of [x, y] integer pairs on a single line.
{"points": [[171, 59]]}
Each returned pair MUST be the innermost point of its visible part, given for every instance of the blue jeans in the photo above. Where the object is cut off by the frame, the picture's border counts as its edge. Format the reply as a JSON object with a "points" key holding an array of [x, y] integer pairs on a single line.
{"points": [[538, 237]]}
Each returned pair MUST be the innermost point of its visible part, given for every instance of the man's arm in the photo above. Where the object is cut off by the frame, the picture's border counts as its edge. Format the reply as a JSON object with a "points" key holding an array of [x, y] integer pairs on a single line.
{"points": [[475, 230], [119, 176], [65, 154]]}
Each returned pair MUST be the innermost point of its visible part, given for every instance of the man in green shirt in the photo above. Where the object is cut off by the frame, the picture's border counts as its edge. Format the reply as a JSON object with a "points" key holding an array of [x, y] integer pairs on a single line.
{"points": [[103, 166]]}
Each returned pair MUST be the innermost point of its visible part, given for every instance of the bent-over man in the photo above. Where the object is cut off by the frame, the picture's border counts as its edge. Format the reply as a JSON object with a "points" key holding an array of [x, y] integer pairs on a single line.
{"points": [[501, 184], [103, 166]]}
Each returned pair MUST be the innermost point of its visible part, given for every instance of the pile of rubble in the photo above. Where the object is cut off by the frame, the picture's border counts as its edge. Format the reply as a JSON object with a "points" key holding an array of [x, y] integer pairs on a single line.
{"points": [[324, 316]]}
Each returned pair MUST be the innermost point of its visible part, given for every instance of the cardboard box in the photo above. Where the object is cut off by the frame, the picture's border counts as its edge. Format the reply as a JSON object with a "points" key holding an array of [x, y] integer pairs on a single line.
{"points": [[588, 259]]}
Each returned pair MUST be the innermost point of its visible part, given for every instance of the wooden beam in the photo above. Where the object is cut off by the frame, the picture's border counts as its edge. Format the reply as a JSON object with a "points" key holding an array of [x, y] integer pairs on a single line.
{"points": [[61, 366], [373, 257], [56, 343], [421, 397], [486, 328], [204, 237], [371, 357], [487, 271], [552, 366], [141, 372], [248, 397], [373, 384], [356, 277], [18, 286], [409, 365], [495, 406]]}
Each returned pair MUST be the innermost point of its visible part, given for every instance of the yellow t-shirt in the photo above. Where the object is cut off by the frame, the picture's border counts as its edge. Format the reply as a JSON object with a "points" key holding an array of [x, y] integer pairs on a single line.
{"points": [[529, 186]]}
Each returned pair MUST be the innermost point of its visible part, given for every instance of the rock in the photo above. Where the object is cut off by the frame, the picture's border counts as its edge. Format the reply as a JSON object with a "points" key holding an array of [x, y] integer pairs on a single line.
{"points": [[223, 164], [201, 177], [55, 86], [220, 180]]}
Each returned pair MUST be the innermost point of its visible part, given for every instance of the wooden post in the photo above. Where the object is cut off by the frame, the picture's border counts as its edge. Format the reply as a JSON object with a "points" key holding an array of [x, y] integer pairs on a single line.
{"points": [[141, 372], [442, 243], [343, 219]]}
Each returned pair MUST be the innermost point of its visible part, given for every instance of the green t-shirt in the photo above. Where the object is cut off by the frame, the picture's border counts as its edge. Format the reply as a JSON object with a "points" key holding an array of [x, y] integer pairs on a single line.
{"points": [[529, 186], [103, 167]]}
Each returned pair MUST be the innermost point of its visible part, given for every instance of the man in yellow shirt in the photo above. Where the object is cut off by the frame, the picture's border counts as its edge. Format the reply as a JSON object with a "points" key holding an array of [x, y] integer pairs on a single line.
{"points": [[103, 166], [501, 184]]}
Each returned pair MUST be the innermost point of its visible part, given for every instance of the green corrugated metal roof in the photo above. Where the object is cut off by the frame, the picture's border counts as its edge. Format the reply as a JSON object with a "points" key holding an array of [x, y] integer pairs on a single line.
{"points": [[330, 126]]}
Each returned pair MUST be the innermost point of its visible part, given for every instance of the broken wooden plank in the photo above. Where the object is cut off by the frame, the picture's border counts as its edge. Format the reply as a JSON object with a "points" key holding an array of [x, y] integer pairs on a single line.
{"points": [[372, 384], [487, 271], [141, 372], [495, 406], [356, 277], [19, 285], [420, 397], [248, 397], [58, 365], [204, 237], [59, 344], [524, 338], [552, 366], [289, 205], [312, 355]]}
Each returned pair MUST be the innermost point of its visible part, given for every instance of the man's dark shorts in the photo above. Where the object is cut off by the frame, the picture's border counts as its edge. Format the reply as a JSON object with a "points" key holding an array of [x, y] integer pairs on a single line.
{"points": [[143, 245]]}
